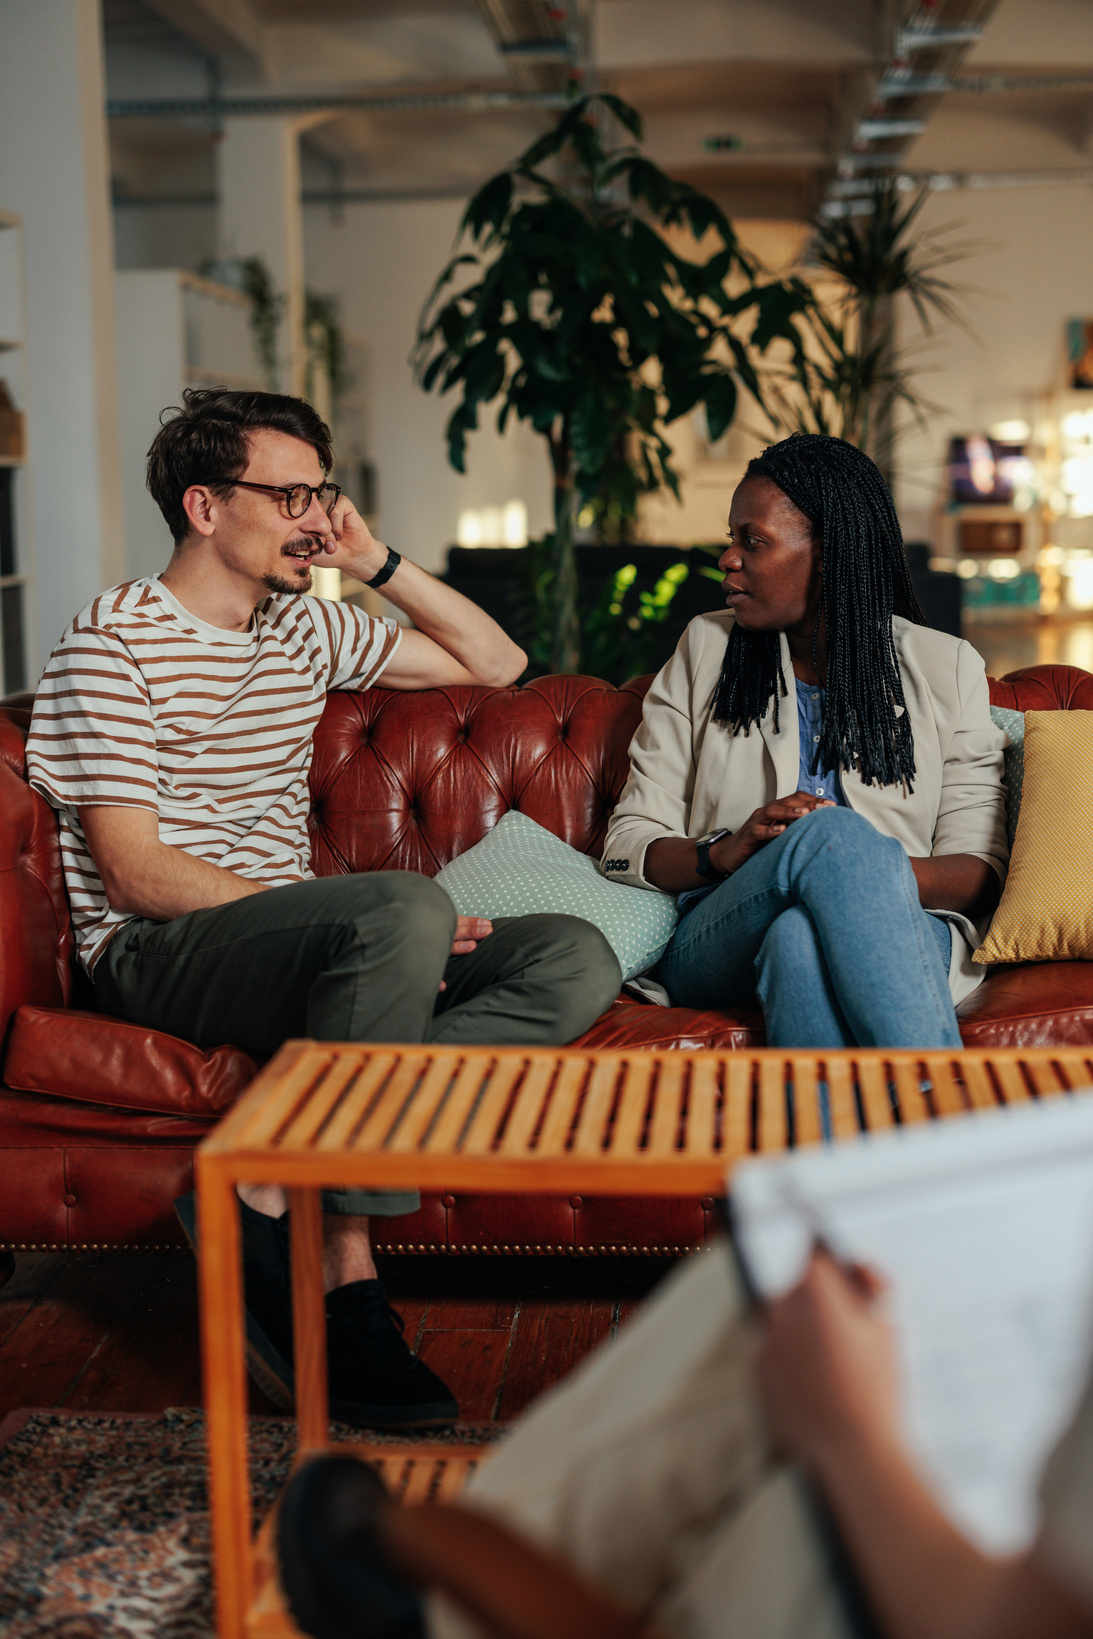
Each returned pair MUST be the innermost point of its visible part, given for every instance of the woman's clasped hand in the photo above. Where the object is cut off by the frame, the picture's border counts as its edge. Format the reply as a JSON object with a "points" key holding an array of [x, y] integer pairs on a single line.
{"points": [[762, 827]]}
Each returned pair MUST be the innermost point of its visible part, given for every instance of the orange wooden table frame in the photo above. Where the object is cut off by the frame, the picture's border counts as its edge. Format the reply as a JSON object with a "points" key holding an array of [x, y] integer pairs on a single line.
{"points": [[326, 1115]]}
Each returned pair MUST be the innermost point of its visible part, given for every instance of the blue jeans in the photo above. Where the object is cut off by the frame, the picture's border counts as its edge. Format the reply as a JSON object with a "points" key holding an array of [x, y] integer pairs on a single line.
{"points": [[824, 924]]}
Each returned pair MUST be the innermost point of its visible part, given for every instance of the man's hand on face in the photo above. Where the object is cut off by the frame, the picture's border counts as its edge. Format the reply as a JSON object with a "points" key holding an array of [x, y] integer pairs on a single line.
{"points": [[351, 545], [468, 931]]}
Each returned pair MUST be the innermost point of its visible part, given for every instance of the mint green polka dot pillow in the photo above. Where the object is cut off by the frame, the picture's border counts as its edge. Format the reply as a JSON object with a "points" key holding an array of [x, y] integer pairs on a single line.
{"points": [[1014, 758], [521, 869]]}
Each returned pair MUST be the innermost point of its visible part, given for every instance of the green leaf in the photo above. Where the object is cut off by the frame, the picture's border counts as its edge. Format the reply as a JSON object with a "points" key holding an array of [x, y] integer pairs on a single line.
{"points": [[720, 406], [489, 207], [554, 141], [627, 116], [460, 423], [778, 306]]}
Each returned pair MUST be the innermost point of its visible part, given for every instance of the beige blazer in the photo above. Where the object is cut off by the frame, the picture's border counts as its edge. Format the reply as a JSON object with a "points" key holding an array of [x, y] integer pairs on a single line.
{"points": [[690, 775]]}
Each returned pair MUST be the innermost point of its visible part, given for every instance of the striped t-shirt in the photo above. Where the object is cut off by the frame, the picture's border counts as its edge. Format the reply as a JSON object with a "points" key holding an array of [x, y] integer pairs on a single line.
{"points": [[143, 705]]}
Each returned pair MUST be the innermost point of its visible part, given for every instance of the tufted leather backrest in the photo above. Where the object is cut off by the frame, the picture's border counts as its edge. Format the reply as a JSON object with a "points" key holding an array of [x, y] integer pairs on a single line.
{"points": [[36, 944], [406, 782], [399, 781], [1044, 688]]}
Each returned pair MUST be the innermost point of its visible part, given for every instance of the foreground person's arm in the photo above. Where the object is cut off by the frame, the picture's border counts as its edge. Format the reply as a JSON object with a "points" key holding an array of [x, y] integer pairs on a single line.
{"points": [[827, 1370], [454, 641]]}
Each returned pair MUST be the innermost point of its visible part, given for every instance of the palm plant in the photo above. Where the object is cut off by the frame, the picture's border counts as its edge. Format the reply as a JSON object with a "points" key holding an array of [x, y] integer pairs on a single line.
{"points": [[847, 375], [585, 320]]}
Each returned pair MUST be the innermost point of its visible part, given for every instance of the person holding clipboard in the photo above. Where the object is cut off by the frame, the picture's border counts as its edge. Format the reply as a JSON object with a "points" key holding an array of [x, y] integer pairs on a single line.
{"points": [[668, 1489]]}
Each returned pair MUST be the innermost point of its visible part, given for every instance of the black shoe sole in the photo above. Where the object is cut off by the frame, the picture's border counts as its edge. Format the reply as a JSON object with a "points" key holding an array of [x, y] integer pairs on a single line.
{"points": [[439, 1414], [324, 1602], [265, 1363]]}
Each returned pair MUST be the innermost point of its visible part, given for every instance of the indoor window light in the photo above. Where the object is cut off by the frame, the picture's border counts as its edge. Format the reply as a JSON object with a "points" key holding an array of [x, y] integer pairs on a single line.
{"points": [[493, 525], [1079, 577], [1010, 432], [514, 524], [469, 529]]}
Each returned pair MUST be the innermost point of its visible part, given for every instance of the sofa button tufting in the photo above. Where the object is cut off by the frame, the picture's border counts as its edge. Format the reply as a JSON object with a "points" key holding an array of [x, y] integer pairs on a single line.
{"points": [[707, 1203], [448, 1201], [576, 1202], [70, 1200]]}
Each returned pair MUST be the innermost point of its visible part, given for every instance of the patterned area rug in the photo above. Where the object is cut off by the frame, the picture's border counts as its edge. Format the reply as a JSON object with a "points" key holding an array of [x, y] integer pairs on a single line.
{"points": [[104, 1525]]}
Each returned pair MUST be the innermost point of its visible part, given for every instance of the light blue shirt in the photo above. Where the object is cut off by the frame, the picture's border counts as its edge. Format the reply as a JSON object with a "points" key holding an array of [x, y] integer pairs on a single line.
{"points": [[810, 724]]}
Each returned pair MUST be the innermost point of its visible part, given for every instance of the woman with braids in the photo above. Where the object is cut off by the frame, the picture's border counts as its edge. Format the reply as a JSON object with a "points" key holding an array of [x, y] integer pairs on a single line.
{"points": [[817, 777]]}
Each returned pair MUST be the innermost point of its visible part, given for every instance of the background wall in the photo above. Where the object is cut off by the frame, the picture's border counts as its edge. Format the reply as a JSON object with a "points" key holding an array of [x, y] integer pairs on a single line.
{"points": [[381, 262], [1030, 270]]}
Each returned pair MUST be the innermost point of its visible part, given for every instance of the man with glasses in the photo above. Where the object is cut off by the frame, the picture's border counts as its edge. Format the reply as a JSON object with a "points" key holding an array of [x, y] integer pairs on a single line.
{"points": [[172, 732]]}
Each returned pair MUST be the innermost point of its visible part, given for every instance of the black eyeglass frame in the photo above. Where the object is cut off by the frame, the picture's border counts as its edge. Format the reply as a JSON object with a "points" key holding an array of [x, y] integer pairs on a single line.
{"points": [[288, 491]]}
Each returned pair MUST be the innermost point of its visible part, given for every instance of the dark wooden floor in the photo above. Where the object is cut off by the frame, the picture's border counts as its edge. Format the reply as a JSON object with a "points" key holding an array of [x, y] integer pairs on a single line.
{"points": [[117, 1331]]}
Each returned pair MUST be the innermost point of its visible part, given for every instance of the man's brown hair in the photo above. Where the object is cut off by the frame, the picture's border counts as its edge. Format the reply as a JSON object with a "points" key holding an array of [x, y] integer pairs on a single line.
{"points": [[206, 441]]}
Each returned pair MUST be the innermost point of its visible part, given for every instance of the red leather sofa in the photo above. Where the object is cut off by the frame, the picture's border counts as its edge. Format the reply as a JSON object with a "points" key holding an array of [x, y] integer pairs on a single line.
{"points": [[98, 1118]]}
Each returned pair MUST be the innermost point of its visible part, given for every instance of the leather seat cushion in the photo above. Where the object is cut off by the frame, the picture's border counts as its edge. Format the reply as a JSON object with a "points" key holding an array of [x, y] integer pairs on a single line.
{"points": [[642, 1025], [1031, 1004], [94, 1059]]}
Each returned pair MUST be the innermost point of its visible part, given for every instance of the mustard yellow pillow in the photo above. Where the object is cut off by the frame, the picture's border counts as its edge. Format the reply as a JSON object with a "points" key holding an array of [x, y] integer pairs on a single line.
{"points": [[1046, 910]]}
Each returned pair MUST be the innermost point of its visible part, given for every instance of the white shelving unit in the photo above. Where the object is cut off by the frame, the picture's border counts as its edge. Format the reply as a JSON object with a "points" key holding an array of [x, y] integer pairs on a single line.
{"points": [[175, 330], [16, 539]]}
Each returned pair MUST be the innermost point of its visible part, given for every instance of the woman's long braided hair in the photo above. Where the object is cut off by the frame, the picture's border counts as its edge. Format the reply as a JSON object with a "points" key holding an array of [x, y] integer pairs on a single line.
{"points": [[865, 581]]}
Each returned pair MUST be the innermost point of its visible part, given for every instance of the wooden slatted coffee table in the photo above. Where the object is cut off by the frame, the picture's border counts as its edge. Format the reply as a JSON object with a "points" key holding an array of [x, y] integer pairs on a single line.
{"points": [[324, 1115]]}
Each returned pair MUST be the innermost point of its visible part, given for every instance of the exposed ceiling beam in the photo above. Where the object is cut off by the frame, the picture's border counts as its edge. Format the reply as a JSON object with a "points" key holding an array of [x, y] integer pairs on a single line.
{"points": [[941, 35], [538, 39], [216, 26]]}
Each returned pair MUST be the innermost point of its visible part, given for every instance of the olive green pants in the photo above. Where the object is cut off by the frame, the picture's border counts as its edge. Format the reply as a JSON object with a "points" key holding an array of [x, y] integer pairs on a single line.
{"points": [[356, 958]]}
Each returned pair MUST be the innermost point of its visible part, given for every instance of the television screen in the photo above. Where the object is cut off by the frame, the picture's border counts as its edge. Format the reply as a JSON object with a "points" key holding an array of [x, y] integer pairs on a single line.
{"points": [[983, 470]]}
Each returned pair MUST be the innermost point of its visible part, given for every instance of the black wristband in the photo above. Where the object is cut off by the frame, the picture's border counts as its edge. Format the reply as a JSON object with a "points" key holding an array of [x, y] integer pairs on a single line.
{"points": [[703, 865], [393, 561]]}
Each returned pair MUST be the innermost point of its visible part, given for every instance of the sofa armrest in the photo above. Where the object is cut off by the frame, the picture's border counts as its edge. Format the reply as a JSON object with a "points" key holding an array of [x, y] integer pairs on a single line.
{"points": [[94, 1059]]}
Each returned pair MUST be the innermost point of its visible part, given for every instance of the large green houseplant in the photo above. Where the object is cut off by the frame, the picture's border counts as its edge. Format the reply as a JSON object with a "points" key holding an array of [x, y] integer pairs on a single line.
{"points": [[849, 375], [583, 318]]}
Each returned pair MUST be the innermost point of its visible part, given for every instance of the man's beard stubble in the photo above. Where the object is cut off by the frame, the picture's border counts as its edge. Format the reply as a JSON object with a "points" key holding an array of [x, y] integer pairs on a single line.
{"points": [[297, 582], [280, 583]]}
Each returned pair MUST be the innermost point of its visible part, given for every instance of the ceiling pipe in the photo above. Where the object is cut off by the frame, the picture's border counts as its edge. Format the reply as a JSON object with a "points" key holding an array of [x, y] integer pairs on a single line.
{"points": [[917, 85], [217, 108], [932, 39], [854, 197]]}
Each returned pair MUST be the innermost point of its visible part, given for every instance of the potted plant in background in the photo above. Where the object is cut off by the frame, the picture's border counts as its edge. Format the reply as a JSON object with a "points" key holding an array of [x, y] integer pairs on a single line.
{"points": [[584, 319], [848, 375]]}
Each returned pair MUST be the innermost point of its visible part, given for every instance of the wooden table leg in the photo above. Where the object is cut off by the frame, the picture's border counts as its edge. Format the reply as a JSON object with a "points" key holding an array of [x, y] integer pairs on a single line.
{"points": [[309, 1319], [225, 1385]]}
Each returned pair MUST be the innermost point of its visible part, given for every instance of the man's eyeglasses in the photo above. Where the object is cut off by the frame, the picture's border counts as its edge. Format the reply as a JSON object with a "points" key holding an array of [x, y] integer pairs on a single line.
{"points": [[297, 497]]}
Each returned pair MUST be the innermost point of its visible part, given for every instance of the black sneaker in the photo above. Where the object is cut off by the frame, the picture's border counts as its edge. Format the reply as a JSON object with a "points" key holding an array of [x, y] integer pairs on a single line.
{"points": [[375, 1382], [267, 1296], [333, 1570]]}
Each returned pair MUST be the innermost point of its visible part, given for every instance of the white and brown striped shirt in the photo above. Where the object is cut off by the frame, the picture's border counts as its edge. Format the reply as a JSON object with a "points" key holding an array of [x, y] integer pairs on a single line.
{"points": [[143, 705]]}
